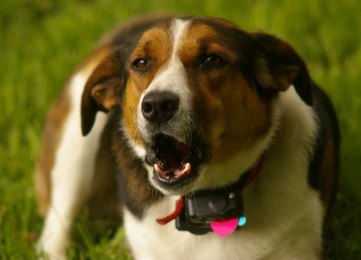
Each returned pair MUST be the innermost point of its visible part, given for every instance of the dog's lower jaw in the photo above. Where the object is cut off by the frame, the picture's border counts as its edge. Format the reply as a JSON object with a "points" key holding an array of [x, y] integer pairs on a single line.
{"points": [[168, 192]]}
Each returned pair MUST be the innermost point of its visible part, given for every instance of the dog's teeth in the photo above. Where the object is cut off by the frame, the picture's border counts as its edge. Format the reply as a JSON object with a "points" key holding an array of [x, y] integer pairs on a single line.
{"points": [[187, 168], [156, 167]]}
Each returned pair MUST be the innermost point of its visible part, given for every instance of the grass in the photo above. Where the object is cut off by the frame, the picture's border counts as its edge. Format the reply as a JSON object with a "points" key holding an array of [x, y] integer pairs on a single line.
{"points": [[41, 41]]}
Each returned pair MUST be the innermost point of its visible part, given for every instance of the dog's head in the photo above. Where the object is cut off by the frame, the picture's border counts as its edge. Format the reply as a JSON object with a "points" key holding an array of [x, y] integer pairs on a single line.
{"points": [[196, 95]]}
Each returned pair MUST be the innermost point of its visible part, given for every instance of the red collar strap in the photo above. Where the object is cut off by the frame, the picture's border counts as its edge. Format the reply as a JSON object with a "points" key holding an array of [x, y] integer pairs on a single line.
{"points": [[177, 211], [243, 183]]}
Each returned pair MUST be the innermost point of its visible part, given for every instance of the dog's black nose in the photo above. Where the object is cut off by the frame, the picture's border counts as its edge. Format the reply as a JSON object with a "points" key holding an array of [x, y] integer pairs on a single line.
{"points": [[159, 106]]}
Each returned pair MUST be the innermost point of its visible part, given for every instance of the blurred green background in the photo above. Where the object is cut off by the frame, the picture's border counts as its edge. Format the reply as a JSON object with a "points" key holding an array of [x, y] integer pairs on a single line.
{"points": [[41, 42]]}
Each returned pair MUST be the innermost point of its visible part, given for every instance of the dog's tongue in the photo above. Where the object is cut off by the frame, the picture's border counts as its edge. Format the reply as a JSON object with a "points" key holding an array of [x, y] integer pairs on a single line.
{"points": [[224, 228]]}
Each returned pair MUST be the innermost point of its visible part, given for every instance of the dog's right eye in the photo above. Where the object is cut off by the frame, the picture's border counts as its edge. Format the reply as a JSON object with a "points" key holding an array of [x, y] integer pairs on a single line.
{"points": [[141, 64]]}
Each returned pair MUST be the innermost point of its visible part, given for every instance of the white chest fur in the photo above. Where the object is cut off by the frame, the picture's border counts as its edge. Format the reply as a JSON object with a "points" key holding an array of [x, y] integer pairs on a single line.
{"points": [[281, 237]]}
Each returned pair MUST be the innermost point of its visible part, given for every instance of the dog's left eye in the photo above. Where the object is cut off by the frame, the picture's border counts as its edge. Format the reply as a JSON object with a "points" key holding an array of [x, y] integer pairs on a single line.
{"points": [[211, 61], [141, 64]]}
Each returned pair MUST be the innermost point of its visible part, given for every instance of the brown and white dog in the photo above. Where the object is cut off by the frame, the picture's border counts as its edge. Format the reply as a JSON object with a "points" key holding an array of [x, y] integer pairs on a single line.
{"points": [[193, 104]]}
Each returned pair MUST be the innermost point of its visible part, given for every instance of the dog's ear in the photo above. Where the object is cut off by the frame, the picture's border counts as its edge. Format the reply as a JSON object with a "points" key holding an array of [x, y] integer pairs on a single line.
{"points": [[102, 91], [277, 66]]}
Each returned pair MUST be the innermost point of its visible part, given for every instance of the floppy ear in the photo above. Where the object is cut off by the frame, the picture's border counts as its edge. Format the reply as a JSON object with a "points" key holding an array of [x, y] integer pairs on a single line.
{"points": [[102, 91], [277, 66]]}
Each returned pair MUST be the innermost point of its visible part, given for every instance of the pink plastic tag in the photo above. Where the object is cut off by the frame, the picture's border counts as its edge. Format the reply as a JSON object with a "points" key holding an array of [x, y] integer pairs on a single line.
{"points": [[224, 228]]}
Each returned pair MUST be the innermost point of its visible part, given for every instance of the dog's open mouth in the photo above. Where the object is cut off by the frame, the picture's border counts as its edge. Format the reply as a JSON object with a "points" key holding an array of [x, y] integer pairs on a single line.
{"points": [[171, 159]]}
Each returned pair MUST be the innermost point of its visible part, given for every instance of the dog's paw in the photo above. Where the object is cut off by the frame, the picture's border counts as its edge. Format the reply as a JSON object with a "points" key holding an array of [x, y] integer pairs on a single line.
{"points": [[51, 248]]}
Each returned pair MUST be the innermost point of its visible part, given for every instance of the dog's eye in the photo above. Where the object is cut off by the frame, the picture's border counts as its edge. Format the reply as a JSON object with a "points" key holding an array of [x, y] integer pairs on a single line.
{"points": [[141, 64], [211, 61]]}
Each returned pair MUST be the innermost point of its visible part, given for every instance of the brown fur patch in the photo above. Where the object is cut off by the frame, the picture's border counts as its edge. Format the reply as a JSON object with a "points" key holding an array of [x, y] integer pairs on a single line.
{"points": [[227, 108]]}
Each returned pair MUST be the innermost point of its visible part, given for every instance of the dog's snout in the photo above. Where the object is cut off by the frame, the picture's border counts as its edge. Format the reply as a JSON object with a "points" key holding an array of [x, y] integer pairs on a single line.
{"points": [[159, 106]]}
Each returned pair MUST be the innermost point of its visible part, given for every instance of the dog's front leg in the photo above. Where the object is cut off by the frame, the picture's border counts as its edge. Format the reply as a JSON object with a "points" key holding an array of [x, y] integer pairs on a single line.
{"points": [[71, 176]]}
